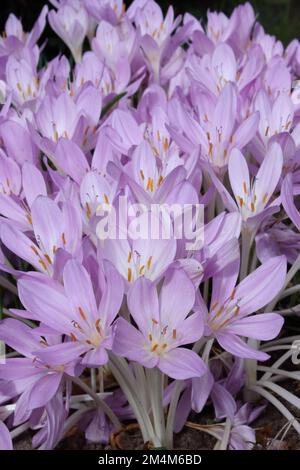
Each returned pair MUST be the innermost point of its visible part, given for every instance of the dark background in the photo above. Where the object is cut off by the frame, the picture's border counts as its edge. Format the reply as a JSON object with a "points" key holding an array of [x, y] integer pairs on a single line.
{"points": [[279, 17]]}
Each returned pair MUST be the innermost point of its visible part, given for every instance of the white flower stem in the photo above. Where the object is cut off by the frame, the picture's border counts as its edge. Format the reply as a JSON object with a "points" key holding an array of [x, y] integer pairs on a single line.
{"points": [[155, 380], [172, 413], [226, 435], [125, 378]]}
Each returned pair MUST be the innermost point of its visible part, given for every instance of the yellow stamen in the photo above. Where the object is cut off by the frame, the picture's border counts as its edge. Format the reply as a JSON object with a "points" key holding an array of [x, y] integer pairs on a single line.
{"points": [[129, 274], [43, 264], [160, 180], [48, 258], [245, 187], [82, 314], [174, 334], [34, 250], [219, 311], [63, 238], [97, 323], [88, 210], [237, 311], [233, 294], [149, 262], [141, 270]]}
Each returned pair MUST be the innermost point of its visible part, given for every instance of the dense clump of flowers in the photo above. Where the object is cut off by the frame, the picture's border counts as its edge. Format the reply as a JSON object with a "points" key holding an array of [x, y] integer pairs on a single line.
{"points": [[159, 111]]}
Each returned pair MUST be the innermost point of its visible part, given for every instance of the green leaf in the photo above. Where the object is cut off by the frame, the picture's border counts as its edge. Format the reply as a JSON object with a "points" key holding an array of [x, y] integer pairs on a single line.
{"points": [[110, 105]]}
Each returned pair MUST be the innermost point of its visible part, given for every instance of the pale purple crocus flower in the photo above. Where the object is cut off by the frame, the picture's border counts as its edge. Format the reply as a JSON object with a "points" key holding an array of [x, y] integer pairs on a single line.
{"points": [[107, 10], [51, 425], [84, 317], [163, 327], [276, 238], [142, 255], [70, 22], [14, 31], [99, 428], [252, 198], [214, 72], [55, 228], [33, 381], [15, 205], [230, 315], [242, 436], [215, 130], [275, 117]]}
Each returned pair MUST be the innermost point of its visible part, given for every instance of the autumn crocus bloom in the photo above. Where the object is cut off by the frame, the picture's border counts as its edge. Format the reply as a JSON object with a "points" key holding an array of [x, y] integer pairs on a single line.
{"points": [[163, 327], [70, 22], [253, 198], [230, 316], [83, 317], [32, 381], [55, 229]]}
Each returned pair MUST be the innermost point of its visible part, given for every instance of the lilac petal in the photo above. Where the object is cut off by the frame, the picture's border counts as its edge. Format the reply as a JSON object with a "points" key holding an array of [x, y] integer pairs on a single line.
{"points": [[143, 304], [263, 326], [112, 297], [287, 198], [16, 368], [79, 289], [61, 353], [130, 343], [183, 410], [246, 131], [201, 388], [95, 358], [261, 286], [47, 223], [33, 183], [46, 299], [181, 363], [192, 329], [174, 307], [239, 348], [71, 159], [18, 336], [223, 402], [44, 390], [5, 439], [238, 174], [268, 174], [22, 246]]}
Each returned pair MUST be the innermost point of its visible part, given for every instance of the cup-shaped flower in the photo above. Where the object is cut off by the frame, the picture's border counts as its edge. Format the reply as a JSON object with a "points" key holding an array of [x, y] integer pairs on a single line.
{"points": [[76, 311], [163, 326]]}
